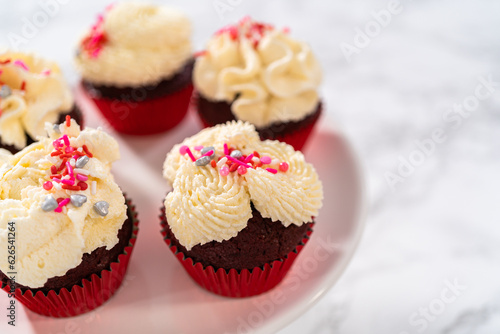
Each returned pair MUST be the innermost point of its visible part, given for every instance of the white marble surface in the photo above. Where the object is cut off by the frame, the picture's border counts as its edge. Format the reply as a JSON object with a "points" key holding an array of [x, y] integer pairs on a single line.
{"points": [[441, 223]]}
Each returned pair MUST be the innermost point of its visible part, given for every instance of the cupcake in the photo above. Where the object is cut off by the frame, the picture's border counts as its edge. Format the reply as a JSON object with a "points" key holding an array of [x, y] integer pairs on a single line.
{"points": [[66, 229], [256, 73], [32, 92], [136, 65], [240, 209]]}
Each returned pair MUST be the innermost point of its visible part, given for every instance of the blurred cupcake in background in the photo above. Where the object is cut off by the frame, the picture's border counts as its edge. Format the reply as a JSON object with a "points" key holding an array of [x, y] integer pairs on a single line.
{"points": [[32, 91], [66, 229], [253, 72], [136, 64], [241, 209]]}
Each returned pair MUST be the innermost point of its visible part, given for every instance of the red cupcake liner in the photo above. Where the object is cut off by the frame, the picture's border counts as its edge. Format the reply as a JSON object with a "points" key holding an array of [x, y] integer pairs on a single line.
{"points": [[146, 117], [236, 283], [297, 137], [90, 295]]}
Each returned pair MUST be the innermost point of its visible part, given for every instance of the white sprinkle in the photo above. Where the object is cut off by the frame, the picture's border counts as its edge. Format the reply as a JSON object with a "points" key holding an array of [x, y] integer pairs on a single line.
{"points": [[67, 177], [255, 159], [221, 162], [93, 187], [57, 185], [275, 162], [81, 171], [80, 149], [72, 162]]}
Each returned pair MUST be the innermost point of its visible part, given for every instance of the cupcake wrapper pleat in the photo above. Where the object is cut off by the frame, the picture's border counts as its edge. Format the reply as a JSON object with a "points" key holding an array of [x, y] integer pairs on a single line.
{"points": [[146, 117], [90, 295], [236, 283]]}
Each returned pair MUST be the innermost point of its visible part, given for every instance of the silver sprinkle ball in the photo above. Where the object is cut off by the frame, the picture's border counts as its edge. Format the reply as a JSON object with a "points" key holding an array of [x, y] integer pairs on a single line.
{"points": [[236, 154], [5, 92]]}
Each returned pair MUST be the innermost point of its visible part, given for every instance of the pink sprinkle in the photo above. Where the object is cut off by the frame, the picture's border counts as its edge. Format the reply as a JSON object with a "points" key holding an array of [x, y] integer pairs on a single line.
{"points": [[224, 171], [188, 151], [70, 169], [237, 161], [284, 166], [82, 177], [226, 149], [272, 170], [46, 72], [47, 185], [265, 160], [249, 158], [286, 30], [95, 53], [209, 153], [56, 143], [56, 180], [75, 157], [183, 149], [69, 149], [198, 147], [242, 170], [63, 203], [233, 32], [66, 140], [21, 64], [68, 182]]}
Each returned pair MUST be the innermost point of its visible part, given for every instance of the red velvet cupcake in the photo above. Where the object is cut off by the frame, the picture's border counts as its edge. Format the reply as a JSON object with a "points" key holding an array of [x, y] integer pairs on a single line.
{"points": [[256, 73], [32, 91], [66, 228], [241, 209], [136, 64]]}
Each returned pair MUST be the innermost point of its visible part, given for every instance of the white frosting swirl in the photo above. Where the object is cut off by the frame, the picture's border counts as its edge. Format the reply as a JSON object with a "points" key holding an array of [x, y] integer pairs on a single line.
{"points": [[275, 81], [48, 244], [45, 96], [141, 44], [205, 206]]}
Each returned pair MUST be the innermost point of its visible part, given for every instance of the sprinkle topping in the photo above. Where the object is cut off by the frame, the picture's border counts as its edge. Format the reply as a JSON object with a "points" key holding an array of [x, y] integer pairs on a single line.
{"points": [[67, 171], [93, 43], [78, 200], [5, 91], [82, 161], [49, 204], [247, 28], [101, 208], [21, 64], [233, 160]]}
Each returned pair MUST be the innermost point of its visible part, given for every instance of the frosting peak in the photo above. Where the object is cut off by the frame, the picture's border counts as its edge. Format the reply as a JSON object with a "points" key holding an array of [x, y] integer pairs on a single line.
{"points": [[218, 172], [266, 75], [135, 44], [32, 92], [51, 190]]}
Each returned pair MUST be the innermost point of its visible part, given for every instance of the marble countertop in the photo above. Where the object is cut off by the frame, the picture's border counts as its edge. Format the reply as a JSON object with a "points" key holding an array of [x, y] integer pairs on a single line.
{"points": [[415, 86]]}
